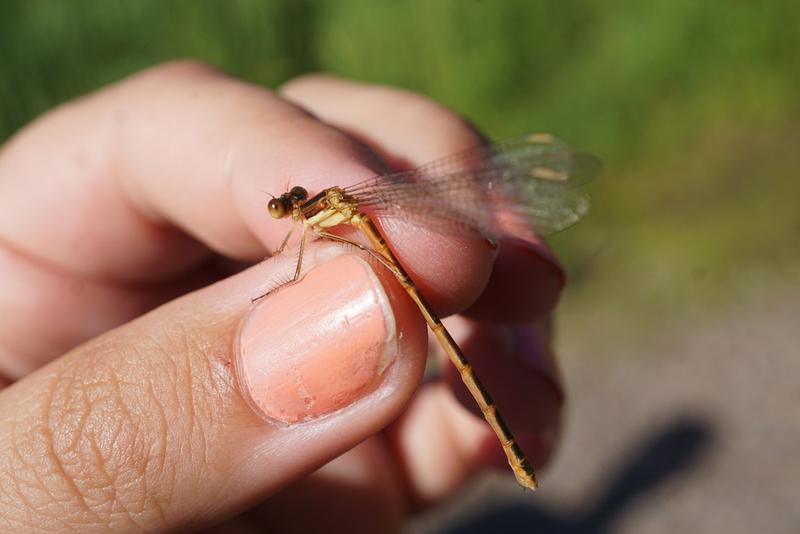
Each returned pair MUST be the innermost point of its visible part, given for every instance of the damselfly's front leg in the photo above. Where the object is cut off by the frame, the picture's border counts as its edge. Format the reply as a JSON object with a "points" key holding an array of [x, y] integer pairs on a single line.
{"points": [[298, 267], [374, 254], [285, 241]]}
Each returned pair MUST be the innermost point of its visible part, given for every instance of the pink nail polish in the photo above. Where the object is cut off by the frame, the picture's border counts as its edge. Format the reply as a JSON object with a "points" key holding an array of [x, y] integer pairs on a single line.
{"points": [[319, 345]]}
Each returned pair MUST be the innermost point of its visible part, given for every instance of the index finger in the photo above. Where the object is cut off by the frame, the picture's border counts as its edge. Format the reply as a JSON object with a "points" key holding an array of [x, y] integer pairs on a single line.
{"points": [[140, 182]]}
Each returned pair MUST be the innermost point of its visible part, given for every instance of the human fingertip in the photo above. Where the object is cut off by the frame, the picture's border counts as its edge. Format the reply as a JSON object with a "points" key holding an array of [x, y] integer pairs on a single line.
{"points": [[525, 284], [536, 355], [543, 253]]}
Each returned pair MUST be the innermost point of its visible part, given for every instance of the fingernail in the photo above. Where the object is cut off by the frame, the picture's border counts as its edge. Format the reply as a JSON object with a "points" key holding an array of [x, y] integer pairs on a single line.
{"points": [[319, 345]]}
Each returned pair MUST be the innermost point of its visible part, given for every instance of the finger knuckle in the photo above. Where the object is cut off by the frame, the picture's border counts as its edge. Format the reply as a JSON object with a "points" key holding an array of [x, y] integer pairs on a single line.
{"points": [[108, 456], [114, 432], [418, 109], [74, 461], [181, 69]]}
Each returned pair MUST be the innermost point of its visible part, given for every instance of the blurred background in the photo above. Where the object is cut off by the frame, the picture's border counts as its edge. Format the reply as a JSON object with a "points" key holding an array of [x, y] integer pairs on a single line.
{"points": [[679, 333]]}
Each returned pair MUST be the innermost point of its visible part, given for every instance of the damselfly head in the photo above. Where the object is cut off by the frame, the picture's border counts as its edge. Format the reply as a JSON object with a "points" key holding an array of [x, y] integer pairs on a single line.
{"points": [[280, 207], [277, 207]]}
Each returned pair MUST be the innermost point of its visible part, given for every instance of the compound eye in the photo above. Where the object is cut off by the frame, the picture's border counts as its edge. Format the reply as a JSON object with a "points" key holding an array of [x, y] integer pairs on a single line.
{"points": [[276, 208], [298, 193]]}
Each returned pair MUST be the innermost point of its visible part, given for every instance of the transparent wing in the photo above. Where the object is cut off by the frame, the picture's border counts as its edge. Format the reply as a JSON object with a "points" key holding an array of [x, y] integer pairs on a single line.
{"points": [[531, 184]]}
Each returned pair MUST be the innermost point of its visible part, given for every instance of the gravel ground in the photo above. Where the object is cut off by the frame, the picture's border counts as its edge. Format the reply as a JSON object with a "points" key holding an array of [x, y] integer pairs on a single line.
{"points": [[699, 433]]}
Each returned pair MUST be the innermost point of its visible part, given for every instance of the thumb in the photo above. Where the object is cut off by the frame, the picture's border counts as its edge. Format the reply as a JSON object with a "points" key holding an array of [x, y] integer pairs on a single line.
{"points": [[208, 404]]}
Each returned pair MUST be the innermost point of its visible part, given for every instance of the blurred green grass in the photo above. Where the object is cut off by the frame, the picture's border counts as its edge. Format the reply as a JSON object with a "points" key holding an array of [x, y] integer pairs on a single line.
{"points": [[693, 107]]}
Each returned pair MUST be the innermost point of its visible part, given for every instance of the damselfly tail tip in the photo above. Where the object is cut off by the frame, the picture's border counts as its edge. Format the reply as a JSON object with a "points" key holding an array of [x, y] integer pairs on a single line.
{"points": [[525, 476]]}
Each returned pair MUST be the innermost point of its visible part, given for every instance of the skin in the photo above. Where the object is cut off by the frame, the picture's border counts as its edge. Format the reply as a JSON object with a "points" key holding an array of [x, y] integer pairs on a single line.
{"points": [[131, 218]]}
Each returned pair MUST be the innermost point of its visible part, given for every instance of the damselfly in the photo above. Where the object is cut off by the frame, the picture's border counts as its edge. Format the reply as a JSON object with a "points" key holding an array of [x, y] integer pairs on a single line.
{"points": [[519, 188]]}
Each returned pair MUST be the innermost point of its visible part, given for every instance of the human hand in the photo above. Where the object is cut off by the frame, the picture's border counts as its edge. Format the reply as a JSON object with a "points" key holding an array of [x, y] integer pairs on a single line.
{"points": [[121, 322]]}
